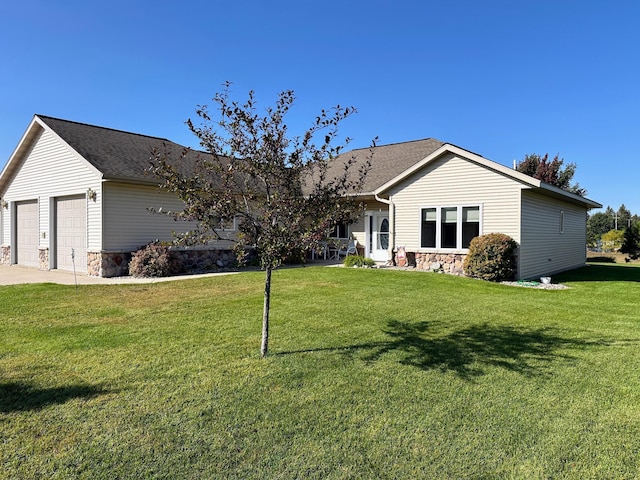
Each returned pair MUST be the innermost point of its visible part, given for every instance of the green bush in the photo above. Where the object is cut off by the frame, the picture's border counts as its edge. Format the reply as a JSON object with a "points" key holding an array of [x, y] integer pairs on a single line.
{"points": [[155, 260], [491, 257], [358, 261]]}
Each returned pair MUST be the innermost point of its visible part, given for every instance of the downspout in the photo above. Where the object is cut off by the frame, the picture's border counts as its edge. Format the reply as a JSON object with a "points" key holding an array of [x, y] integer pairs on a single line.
{"points": [[392, 226]]}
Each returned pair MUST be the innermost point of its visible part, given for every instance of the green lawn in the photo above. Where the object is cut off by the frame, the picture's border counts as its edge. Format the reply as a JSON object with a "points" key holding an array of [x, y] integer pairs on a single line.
{"points": [[372, 374]]}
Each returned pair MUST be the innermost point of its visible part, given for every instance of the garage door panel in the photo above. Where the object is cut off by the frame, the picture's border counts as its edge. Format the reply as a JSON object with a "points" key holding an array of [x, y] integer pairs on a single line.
{"points": [[71, 233]]}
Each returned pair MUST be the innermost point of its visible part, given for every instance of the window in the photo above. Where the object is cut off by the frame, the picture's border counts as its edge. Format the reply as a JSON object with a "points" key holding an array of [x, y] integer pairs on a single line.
{"points": [[449, 227], [561, 221], [429, 219], [341, 230], [470, 224]]}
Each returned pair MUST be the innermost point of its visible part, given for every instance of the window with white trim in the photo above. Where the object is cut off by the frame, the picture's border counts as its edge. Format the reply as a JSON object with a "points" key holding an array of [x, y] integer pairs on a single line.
{"points": [[341, 230], [449, 227]]}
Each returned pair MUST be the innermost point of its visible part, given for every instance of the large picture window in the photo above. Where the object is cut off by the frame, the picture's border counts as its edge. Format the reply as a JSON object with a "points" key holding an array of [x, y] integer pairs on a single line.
{"points": [[449, 227]]}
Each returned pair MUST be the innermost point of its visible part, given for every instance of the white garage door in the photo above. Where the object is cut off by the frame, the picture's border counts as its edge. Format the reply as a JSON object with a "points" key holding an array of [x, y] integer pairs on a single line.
{"points": [[27, 233], [71, 233]]}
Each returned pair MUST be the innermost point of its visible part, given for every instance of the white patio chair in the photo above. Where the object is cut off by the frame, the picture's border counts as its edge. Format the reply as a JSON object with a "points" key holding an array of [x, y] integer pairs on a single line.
{"points": [[351, 249]]}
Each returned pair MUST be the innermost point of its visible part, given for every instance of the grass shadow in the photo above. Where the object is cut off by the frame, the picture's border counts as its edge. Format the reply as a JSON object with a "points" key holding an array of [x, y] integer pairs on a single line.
{"points": [[613, 272], [20, 396]]}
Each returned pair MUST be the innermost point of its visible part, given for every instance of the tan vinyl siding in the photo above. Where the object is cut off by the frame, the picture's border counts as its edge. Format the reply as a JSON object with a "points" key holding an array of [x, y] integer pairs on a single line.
{"points": [[128, 224], [52, 170], [357, 231], [454, 181], [545, 250]]}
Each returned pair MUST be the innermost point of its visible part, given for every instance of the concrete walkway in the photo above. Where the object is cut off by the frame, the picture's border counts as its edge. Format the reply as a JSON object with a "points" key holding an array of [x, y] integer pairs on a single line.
{"points": [[14, 274]]}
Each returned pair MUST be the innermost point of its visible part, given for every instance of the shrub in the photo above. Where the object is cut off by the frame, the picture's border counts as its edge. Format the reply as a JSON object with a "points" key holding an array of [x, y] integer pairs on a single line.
{"points": [[155, 260], [358, 261], [491, 257]]}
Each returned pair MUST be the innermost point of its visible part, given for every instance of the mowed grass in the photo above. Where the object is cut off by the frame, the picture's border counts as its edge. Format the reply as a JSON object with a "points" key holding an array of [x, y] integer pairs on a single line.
{"points": [[371, 374]]}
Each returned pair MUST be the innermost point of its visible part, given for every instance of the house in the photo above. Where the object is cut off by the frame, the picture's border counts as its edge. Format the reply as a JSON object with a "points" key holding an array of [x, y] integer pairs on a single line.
{"points": [[77, 197], [428, 199]]}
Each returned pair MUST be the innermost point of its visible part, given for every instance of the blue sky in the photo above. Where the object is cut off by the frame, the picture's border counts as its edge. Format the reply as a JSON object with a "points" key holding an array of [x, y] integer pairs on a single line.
{"points": [[499, 78]]}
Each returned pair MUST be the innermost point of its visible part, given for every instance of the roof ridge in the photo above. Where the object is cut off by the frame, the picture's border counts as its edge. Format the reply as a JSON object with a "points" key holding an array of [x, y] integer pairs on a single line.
{"points": [[44, 117], [399, 143]]}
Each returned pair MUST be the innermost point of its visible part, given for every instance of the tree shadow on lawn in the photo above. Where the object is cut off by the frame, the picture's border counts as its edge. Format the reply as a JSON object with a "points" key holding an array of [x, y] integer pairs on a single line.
{"points": [[600, 273], [468, 352], [20, 396]]}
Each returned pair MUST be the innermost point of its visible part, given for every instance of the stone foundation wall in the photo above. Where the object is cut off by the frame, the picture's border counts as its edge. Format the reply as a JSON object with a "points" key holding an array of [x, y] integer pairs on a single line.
{"points": [[5, 255], [441, 262], [205, 260], [43, 258], [108, 264], [116, 264]]}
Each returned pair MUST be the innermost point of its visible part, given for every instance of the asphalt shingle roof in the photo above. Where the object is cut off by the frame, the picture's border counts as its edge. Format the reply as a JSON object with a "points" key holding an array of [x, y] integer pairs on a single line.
{"points": [[125, 156], [115, 153], [388, 161]]}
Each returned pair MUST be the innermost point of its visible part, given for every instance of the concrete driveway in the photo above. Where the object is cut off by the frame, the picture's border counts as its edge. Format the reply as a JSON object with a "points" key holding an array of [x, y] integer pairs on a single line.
{"points": [[14, 274]]}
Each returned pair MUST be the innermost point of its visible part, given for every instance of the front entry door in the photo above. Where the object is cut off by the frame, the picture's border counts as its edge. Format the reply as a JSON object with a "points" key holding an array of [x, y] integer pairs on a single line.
{"points": [[379, 236]]}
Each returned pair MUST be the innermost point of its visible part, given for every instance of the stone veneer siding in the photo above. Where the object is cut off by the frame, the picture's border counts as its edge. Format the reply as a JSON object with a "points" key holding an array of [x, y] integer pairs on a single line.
{"points": [[116, 264], [5, 255], [43, 258], [108, 264], [451, 263], [203, 260]]}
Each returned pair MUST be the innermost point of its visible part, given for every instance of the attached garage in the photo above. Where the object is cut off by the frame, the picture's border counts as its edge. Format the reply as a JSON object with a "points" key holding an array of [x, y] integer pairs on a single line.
{"points": [[27, 233], [71, 233]]}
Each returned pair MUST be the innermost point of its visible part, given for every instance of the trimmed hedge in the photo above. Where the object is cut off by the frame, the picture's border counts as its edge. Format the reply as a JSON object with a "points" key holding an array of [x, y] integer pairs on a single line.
{"points": [[491, 257]]}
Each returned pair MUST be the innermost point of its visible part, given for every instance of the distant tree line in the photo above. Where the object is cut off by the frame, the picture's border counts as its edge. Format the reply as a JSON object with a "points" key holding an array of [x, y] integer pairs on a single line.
{"points": [[614, 230]]}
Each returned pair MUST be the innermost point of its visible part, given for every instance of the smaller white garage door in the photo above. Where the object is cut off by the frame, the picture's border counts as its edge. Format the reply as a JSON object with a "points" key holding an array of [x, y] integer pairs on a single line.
{"points": [[27, 233], [71, 233]]}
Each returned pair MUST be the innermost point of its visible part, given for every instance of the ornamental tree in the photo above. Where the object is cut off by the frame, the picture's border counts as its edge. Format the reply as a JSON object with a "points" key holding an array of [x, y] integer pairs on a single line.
{"points": [[612, 240], [273, 185], [551, 172]]}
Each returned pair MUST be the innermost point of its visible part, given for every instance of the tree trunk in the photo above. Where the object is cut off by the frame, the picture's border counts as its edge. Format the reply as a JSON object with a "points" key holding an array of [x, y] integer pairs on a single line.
{"points": [[265, 313]]}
